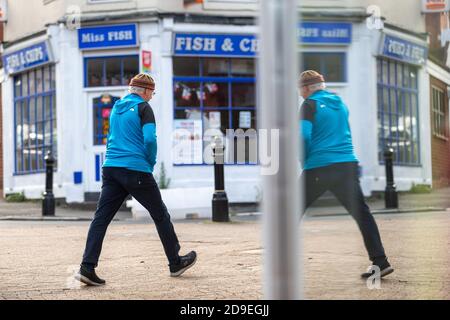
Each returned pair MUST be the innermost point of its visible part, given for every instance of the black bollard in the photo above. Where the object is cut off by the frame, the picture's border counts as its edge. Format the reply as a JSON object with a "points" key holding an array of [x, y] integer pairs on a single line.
{"points": [[220, 200], [48, 204], [390, 194]]}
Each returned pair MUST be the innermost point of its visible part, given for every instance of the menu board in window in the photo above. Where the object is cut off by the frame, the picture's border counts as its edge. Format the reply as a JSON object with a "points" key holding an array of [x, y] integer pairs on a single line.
{"points": [[187, 142]]}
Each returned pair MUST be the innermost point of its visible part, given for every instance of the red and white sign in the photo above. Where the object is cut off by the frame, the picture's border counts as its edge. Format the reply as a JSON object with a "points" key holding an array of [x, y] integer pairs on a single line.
{"points": [[147, 61], [430, 6]]}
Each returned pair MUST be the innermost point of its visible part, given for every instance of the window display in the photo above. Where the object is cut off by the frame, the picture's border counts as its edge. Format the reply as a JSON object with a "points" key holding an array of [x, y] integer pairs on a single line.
{"points": [[221, 94]]}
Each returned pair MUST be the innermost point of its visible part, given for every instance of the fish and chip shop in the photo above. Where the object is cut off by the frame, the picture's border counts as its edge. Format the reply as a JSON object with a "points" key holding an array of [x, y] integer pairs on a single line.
{"points": [[59, 89]]}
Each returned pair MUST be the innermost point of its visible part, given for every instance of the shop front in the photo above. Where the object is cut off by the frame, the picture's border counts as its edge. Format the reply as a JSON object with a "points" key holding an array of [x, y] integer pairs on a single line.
{"points": [[29, 110], [61, 88], [206, 89], [214, 95], [402, 107]]}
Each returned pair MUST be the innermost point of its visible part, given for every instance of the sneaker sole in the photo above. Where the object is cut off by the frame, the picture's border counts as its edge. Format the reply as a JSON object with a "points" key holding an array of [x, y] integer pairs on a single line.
{"points": [[180, 272], [383, 273], [386, 271], [87, 281]]}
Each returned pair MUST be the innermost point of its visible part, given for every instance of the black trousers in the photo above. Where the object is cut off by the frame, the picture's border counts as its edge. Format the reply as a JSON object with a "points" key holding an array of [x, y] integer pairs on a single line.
{"points": [[118, 183], [343, 181]]}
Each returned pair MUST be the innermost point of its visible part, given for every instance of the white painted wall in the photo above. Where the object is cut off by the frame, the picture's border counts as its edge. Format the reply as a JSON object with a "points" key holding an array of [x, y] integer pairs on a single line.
{"points": [[363, 101], [402, 13], [71, 113], [26, 17]]}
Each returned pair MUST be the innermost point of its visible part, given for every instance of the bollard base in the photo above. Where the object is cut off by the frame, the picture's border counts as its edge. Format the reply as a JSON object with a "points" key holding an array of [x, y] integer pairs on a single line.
{"points": [[48, 205], [391, 198], [220, 207]]}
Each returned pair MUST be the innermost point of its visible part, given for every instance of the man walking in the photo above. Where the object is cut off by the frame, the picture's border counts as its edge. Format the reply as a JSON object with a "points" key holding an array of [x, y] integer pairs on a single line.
{"points": [[330, 162], [130, 158]]}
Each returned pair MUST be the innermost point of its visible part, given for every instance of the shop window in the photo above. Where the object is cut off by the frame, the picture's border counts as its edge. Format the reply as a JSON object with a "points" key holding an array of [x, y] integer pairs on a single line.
{"points": [[216, 94], [212, 95], [215, 67], [34, 119], [186, 67], [102, 110], [243, 68], [332, 65], [398, 119], [187, 94], [110, 71], [439, 113], [243, 95], [130, 68], [95, 72]]}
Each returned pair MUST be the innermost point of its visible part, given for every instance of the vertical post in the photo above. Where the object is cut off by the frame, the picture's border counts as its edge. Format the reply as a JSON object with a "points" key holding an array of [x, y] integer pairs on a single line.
{"points": [[48, 204], [277, 105], [390, 193], [220, 200]]}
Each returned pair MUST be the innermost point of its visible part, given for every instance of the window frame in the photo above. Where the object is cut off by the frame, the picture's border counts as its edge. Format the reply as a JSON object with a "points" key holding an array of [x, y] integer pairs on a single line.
{"points": [[322, 70], [202, 80], [413, 93], [439, 115], [25, 99], [104, 57]]}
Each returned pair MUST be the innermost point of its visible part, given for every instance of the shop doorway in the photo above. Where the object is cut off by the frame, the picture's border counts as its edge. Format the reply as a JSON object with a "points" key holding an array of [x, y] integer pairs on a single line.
{"points": [[100, 105]]}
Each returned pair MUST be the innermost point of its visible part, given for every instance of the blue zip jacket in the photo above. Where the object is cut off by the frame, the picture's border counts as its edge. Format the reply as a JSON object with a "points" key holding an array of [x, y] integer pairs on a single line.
{"points": [[325, 130], [131, 140]]}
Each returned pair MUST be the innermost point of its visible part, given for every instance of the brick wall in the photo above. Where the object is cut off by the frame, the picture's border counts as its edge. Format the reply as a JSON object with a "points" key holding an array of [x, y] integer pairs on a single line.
{"points": [[434, 22], [440, 148]]}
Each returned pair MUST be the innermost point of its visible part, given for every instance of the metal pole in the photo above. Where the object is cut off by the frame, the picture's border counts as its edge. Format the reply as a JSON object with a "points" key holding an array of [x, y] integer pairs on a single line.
{"points": [[390, 193], [48, 204], [278, 101], [220, 199]]}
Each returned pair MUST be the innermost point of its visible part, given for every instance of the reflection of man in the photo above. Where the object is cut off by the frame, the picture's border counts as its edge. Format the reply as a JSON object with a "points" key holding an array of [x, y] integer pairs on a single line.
{"points": [[130, 158], [330, 162]]}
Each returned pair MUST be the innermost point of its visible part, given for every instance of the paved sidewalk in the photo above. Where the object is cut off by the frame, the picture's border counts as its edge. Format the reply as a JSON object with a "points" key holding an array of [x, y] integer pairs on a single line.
{"points": [[438, 200], [38, 258], [32, 210]]}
